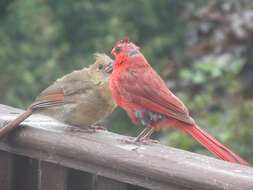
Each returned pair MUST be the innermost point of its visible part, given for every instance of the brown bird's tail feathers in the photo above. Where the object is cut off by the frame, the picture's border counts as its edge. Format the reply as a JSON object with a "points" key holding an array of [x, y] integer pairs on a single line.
{"points": [[15, 123], [214, 145]]}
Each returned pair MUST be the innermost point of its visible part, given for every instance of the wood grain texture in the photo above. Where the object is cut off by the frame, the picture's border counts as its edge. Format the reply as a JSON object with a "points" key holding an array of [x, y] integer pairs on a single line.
{"points": [[25, 173], [6, 170], [134, 187], [79, 180], [103, 183], [52, 176], [105, 154]]}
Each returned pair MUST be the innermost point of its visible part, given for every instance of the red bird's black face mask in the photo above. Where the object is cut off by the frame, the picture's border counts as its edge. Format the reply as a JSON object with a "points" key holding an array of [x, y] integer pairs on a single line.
{"points": [[125, 47]]}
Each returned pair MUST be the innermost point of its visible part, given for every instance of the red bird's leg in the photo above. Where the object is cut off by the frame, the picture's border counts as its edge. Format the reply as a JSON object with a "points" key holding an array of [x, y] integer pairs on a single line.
{"points": [[143, 118], [148, 134], [146, 138], [146, 118], [142, 134]]}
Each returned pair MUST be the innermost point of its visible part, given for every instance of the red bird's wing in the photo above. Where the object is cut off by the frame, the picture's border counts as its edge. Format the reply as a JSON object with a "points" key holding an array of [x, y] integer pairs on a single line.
{"points": [[143, 87]]}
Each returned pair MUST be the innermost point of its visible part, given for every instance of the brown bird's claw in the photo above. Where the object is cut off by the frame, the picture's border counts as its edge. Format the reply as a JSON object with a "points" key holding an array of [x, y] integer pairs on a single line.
{"points": [[89, 129], [98, 127], [81, 130]]}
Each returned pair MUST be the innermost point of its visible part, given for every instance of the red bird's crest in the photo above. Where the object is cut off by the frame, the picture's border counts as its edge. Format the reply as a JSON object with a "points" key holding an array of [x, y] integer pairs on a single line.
{"points": [[124, 46], [125, 40]]}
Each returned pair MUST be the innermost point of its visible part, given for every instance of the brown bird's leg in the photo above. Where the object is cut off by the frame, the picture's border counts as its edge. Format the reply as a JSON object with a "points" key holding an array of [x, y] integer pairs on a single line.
{"points": [[15, 123]]}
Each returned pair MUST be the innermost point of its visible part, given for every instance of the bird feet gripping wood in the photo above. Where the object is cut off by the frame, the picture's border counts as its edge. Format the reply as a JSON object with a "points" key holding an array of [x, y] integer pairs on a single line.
{"points": [[90, 129]]}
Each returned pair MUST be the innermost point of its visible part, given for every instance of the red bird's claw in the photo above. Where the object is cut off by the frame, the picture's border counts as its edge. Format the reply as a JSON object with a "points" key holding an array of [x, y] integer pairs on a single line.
{"points": [[149, 141], [130, 140]]}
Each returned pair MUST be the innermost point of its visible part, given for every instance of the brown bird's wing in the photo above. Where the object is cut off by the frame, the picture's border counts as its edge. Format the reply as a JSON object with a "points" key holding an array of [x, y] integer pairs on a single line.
{"points": [[65, 90], [143, 87]]}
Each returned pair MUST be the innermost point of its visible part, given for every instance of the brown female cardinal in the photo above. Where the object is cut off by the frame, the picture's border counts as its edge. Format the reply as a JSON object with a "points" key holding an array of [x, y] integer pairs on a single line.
{"points": [[80, 98], [141, 92]]}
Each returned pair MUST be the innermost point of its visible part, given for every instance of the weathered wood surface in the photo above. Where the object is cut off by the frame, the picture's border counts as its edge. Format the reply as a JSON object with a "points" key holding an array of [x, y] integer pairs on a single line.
{"points": [[6, 170], [25, 173], [103, 183], [79, 180], [52, 176], [105, 154]]}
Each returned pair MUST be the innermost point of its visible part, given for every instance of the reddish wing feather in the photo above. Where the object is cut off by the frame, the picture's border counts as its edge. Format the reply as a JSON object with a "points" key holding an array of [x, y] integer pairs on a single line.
{"points": [[49, 100], [142, 86]]}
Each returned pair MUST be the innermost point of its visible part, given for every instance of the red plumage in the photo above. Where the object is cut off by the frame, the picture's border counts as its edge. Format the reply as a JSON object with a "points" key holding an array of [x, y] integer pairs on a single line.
{"points": [[137, 88]]}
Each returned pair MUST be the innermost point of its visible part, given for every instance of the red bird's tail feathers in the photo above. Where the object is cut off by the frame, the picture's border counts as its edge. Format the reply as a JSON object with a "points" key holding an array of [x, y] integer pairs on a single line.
{"points": [[213, 145]]}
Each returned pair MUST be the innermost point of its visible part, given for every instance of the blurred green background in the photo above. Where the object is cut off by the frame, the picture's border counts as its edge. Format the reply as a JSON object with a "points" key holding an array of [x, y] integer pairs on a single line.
{"points": [[203, 49]]}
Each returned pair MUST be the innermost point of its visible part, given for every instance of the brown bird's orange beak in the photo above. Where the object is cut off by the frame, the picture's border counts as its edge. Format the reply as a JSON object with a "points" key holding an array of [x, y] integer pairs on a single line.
{"points": [[113, 52]]}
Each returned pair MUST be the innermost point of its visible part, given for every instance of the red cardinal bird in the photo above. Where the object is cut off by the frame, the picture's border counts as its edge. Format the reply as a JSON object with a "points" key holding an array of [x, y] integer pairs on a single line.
{"points": [[141, 92]]}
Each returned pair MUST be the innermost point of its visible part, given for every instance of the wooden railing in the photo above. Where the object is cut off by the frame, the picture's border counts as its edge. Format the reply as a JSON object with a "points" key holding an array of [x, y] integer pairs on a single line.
{"points": [[47, 155]]}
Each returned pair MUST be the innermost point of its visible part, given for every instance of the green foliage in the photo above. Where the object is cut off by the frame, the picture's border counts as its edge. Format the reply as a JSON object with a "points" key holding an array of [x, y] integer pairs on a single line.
{"points": [[43, 40]]}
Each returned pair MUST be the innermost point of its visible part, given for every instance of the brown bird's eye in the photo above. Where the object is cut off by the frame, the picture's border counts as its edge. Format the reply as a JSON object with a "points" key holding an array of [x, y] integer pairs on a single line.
{"points": [[100, 66], [117, 49]]}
